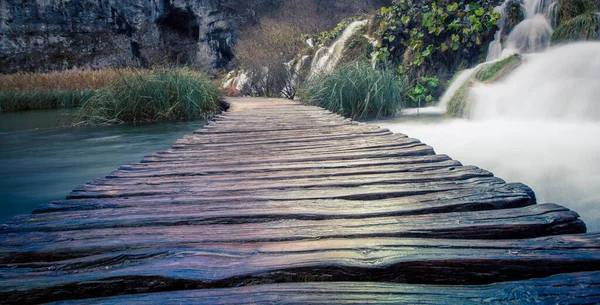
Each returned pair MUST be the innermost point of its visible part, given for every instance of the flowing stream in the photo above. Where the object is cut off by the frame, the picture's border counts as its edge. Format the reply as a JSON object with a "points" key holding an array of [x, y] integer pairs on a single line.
{"points": [[40, 162]]}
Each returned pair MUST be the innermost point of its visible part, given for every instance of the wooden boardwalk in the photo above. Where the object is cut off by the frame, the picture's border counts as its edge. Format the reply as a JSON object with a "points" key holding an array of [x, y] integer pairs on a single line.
{"points": [[276, 202]]}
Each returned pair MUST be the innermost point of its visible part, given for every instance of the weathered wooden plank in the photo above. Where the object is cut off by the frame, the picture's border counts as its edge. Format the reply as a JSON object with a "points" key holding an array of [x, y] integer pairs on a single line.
{"points": [[266, 182], [257, 165], [398, 173], [233, 139], [481, 198], [572, 288], [145, 232], [140, 213], [229, 265], [192, 155], [258, 133], [351, 190], [332, 144], [420, 150], [311, 169], [240, 141]]}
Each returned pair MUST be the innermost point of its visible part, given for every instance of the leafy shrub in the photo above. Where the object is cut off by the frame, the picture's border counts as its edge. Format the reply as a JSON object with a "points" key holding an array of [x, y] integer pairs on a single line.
{"points": [[422, 93], [433, 38], [163, 94], [356, 90]]}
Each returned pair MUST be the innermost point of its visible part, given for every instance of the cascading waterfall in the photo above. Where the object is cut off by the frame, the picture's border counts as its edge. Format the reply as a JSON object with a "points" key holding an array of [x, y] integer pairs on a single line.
{"points": [[458, 82], [530, 35], [495, 48], [326, 59], [560, 84], [540, 126]]}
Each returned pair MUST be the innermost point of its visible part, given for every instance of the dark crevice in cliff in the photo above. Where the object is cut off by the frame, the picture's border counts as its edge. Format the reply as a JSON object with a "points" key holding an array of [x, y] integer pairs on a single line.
{"points": [[181, 21], [180, 30]]}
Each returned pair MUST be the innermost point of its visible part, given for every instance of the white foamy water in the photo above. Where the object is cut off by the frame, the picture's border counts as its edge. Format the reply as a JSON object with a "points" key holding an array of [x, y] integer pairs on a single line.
{"points": [[559, 161], [326, 59], [540, 126], [562, 84]]}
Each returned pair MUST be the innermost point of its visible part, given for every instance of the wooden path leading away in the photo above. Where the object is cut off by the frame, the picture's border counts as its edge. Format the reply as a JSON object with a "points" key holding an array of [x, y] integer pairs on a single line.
{"points": [[279, 202]]}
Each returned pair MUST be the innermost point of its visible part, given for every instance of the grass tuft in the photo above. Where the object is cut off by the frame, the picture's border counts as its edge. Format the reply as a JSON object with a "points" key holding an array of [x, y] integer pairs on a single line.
{"points": [[156, 95], [583, 27], [356, 90]]}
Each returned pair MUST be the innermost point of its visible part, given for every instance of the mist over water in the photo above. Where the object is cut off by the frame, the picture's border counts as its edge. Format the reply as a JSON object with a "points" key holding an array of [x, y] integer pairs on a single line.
{"points": [[559, 161], [561, 84], [540, 126]]}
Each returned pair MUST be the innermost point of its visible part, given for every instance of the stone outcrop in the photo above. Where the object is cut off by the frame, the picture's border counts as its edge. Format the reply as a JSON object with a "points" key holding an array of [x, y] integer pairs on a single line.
{"points": [[59, 34]]}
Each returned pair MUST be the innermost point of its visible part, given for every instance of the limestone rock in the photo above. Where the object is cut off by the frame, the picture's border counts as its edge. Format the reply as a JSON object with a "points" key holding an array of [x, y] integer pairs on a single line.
{"points": [[58, 34]]}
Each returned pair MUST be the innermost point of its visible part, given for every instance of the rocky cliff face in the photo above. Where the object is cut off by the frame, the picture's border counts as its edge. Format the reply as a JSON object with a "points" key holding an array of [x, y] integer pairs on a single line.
{"points": [[60, 34]]}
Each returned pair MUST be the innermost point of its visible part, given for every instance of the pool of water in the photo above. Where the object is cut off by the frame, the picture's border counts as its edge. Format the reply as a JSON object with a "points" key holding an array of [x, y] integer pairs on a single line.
{"points": [[41, 161]]}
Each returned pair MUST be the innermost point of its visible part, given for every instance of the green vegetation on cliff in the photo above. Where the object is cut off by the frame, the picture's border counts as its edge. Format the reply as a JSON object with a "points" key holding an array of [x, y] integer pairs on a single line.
{"points": [[435, 38], [356, 90]]}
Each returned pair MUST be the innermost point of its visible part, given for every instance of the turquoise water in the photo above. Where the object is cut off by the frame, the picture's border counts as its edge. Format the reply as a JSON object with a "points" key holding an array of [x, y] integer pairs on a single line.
{"points": [[41, 161]]}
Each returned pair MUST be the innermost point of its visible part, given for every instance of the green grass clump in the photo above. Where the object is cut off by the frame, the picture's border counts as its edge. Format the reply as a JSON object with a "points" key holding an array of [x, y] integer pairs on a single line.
{"points": [[356, 90], [30, 100], [569, 9], [495, 71], [155, 95], [583, 27]]}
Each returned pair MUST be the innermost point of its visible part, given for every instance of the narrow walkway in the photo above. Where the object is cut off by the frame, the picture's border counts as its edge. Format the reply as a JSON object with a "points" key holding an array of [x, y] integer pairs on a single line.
{"points": [[274, 201]]}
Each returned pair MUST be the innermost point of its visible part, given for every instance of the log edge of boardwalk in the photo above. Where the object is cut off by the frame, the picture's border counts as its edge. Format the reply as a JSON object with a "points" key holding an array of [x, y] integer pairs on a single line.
{"points": [[283, 200]]}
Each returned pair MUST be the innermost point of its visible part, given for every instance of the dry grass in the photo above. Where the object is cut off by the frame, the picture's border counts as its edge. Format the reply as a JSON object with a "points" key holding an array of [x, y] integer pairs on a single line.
{"points": [[62, 81]]}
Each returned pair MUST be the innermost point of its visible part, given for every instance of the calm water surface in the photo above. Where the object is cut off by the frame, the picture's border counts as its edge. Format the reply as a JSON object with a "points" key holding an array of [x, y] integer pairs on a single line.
{"points": [[40, 162]]}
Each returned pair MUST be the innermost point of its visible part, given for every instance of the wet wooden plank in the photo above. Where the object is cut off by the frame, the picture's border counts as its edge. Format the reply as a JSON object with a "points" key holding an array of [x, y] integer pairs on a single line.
{"points": [[473, 199], [78, 236], [572, 288], [198, 266]]}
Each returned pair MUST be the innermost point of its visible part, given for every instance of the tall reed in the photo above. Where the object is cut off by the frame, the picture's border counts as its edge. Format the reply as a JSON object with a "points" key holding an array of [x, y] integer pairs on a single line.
{"points": [[60, 81], [156, 95], [11, 101], [356, 90]]}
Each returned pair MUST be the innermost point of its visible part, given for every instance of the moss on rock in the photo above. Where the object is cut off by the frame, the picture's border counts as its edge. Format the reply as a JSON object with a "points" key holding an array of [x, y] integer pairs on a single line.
{"points": [[460, 103], [497, 70]]}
